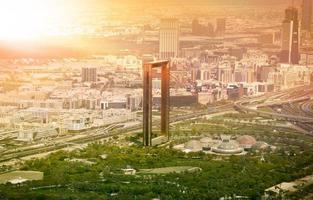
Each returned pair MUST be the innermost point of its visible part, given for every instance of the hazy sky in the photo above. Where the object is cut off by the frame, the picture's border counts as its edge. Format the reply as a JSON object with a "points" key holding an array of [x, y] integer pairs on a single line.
{"points": [[229, 2], [104, 3], [32, 18]]}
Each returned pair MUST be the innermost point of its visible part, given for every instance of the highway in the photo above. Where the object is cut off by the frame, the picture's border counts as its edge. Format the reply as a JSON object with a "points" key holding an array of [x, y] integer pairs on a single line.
{"points": [[96, 135], [307, 107], [294, 105]]}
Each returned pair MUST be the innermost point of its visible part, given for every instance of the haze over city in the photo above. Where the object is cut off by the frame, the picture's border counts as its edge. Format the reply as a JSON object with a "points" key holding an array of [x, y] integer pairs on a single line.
{"points": [[168, 99]]}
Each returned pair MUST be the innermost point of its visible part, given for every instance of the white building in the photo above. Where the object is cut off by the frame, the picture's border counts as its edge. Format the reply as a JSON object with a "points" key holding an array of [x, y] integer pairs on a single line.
{"points": [[169, 39], [289, 76]]}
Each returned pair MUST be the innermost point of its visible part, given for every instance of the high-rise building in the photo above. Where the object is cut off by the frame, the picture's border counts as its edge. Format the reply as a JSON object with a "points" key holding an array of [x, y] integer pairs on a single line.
{"points": [[202, 30], [224, 74], [205, 75], [195, 75], [290, 37], [220, 26], [148, 99], [89, 74], [307, 15], [169, 39], [195, 27]]}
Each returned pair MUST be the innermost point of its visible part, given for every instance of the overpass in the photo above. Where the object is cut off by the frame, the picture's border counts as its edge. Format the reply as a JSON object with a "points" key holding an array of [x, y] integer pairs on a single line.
{"points": [[293, 118]]}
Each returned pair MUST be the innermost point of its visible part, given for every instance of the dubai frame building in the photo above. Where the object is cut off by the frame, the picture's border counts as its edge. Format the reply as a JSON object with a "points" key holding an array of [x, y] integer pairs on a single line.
{"points": [[147, 99]]}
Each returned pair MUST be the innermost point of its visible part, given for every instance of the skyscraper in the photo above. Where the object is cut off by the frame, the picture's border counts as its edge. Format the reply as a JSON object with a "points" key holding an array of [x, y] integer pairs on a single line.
{"points": [[169, 39], [195, 27], [307, 15], [89, 74], [220, 26], [202, 30], [290, 37]]}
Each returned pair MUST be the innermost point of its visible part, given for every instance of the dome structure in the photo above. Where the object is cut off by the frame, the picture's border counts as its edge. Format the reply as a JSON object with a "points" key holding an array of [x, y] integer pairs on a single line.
{"points": [[207, 143], [193, 145], [246, 141], [205, 140], [261, 145], [228, 147]]}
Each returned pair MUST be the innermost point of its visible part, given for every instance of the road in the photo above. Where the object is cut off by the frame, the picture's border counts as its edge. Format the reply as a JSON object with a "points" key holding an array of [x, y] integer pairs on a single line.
{"points": [[96, 135], [294, 105]]}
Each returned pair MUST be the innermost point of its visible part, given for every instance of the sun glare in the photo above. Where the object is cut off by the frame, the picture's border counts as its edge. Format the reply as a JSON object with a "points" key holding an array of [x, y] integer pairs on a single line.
{"points": [[25, 19]]}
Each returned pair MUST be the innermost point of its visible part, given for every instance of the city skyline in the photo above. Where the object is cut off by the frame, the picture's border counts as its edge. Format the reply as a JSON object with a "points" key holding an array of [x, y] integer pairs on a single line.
{"points": [[34, 19], [169, 99]]}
